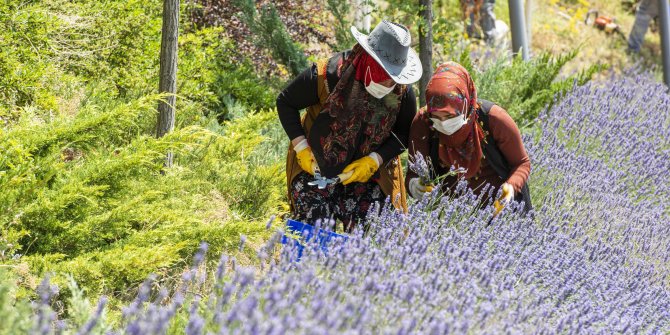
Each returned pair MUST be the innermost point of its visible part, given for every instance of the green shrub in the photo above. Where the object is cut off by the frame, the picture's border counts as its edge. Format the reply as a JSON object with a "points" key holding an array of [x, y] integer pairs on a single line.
{"points": [[29, 75], [208, 75], [340, 12], [270, 33], [87, 196], [245, 85], [14, 313], [117, 42], [524, 88], [84, 191], [250, 164]]}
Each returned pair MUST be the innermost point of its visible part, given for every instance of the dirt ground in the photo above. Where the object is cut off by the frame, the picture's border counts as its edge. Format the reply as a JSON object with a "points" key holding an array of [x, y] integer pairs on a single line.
{"points": [[559, 25]]}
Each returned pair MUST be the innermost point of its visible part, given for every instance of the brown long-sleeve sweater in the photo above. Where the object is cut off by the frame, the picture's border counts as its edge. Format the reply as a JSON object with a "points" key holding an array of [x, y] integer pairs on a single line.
{"points": [[507, 138]]}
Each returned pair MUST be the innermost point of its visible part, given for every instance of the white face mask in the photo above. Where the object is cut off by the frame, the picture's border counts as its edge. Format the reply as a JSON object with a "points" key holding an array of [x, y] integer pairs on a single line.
{"points": [[452, 125], [375, 89], [449, 126]]}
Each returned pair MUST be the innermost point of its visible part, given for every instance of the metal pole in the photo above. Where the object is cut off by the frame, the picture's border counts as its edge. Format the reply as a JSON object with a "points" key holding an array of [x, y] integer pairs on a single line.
{"points": [[664, 22], [529, 16], [517, 21]]}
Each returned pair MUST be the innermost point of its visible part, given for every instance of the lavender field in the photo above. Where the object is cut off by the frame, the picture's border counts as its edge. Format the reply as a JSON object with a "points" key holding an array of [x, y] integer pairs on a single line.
{"points": [[110, 225], [594, 257]]}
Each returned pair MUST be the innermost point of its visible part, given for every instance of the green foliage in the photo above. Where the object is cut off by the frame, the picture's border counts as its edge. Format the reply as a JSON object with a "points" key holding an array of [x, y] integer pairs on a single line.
{"points": [[14, 312], [448, 41], [28, 77], [87, 196], [117, 42], [447, 8], [84, 191], [48, 56], [340, 12], [525, 88], [404, 12], [270, 32], [242, 82], [209, 77], [250, 185]]}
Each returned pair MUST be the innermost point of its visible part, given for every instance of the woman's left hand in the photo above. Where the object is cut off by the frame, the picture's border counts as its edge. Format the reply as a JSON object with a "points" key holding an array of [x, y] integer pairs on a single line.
{"points": [[506, 196], [507, 192], [362, 169]]}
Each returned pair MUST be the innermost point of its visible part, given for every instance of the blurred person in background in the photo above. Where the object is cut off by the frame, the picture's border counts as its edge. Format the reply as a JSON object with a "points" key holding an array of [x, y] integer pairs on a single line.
{"points": [[480, 12], [360, 106], [457, 130], [647, 11]]}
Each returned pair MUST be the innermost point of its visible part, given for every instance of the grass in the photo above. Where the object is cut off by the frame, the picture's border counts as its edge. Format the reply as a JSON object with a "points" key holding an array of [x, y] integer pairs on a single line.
{"points": [[558, 26]]}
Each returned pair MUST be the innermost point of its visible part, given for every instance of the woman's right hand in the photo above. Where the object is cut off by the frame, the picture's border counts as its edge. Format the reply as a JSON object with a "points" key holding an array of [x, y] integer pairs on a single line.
{"points": [[305, 157], [417, 189]]}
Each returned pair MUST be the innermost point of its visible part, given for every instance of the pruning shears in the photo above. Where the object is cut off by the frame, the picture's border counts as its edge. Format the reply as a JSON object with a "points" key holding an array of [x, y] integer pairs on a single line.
{"points": [[322, 182]]}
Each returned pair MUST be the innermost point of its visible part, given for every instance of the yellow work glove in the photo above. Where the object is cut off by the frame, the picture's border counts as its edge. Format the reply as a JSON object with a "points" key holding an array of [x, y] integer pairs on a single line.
{"points": [[362, 170], [505, 198], [417, 189], [305, 157]]}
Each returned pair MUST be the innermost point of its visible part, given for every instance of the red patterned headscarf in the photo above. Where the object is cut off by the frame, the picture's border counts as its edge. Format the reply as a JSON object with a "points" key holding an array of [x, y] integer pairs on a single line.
{"points": [[452, 91], [376, 72]]}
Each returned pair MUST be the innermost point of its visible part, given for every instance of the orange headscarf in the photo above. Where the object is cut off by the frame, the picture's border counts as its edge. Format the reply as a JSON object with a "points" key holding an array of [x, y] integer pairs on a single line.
{"points": [[452, 91]]}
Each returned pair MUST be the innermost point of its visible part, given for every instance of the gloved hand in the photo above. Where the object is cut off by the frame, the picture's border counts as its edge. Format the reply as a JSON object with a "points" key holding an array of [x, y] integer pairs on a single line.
{"points": [[362, 169], [507, 192], [505, 198], [417, 189], [305, 157]]}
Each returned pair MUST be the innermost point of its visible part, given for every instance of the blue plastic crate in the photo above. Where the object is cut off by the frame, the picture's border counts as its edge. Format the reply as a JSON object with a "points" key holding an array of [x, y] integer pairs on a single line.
{"points": [[306, 233]]}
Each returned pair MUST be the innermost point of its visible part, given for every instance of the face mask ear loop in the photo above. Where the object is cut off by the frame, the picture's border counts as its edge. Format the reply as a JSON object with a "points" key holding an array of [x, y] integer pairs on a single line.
{"points": [[366, 76], [464, 111]]}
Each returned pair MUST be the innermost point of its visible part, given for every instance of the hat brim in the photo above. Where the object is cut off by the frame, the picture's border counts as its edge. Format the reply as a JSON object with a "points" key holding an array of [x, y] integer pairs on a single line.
{"points": [[406, 74]]}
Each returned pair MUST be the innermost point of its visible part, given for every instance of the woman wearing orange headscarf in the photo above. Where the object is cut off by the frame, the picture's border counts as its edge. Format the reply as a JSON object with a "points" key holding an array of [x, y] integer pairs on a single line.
{"points": [[457, 130]]}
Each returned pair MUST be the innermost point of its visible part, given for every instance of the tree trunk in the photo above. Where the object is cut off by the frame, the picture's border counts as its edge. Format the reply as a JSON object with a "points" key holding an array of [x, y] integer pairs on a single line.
{"points": [[168, 70], [425, 47], [664, 25]]}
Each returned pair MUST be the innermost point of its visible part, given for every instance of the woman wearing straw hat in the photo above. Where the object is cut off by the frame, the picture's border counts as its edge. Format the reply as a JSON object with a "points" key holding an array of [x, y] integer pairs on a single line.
{"points": [[458, 130], [343, 155]]}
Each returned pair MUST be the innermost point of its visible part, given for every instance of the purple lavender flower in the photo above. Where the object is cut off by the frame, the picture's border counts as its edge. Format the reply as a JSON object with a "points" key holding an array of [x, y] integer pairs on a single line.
{"points": [[593, 258], [91, 323]]}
